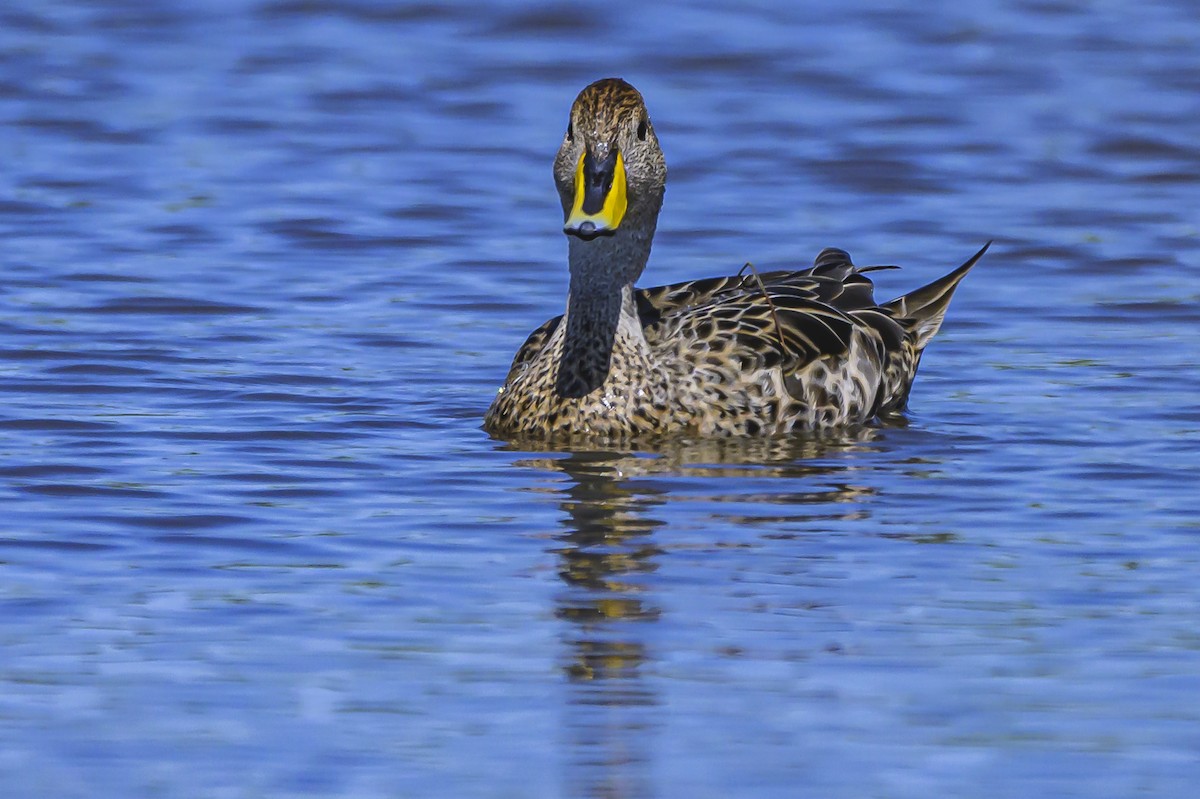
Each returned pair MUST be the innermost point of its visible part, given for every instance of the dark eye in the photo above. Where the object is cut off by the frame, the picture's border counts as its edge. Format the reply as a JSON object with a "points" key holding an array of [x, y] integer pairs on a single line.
{"points": [[571, 131], [642, 130]]}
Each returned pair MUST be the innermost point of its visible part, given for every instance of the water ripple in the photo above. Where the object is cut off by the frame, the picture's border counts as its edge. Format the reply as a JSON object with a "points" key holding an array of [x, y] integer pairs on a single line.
{"points": [[266, 262]]}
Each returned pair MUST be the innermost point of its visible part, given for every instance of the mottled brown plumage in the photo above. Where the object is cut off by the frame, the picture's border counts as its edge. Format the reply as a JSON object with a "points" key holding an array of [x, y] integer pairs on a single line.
{"points": [[746, 354]]}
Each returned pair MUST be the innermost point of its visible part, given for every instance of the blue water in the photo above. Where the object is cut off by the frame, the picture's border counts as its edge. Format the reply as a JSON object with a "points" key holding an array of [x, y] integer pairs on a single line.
{"points": [[265, 263]]}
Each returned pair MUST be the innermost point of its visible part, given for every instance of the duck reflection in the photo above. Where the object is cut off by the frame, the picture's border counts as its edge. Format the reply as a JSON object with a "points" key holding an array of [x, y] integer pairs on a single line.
{"points": [[606, 548], [608, 551]]}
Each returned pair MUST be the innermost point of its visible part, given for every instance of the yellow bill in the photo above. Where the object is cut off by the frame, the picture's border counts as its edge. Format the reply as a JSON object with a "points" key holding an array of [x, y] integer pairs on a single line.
{"points": [[600, 201]]}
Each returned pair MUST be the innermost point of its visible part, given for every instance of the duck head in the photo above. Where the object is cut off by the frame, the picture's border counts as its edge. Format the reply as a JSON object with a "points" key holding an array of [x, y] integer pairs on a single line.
{"points": [[610, 169]]}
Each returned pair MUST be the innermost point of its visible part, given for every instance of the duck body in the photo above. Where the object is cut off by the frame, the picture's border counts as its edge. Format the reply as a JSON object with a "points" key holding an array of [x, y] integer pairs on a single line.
{"points": [[746, 354], [714, 357]]}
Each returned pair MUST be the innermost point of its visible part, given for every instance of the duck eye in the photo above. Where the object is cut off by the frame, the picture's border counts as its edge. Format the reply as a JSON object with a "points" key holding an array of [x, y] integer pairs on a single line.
{"points": [[571, 131], [641, 131]]}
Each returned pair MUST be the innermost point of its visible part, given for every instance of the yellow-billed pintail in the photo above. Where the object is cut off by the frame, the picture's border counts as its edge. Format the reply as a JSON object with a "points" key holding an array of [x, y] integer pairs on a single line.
{"points": [[748, 354]]}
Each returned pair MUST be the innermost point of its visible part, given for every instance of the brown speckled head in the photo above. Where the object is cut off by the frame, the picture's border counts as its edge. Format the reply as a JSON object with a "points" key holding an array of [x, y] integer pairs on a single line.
{"points": [[609, 136]]}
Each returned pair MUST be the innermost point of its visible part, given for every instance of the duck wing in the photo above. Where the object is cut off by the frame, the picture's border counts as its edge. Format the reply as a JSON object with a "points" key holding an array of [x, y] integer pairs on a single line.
{"points": [[782, 318]]}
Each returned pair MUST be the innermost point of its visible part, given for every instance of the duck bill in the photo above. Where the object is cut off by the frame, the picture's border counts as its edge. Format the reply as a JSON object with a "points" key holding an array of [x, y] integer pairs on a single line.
{"points": [[600, 201]]}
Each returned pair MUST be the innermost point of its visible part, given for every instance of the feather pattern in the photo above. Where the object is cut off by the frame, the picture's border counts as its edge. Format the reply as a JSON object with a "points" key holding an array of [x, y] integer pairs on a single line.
{"points": [[743, 354]]}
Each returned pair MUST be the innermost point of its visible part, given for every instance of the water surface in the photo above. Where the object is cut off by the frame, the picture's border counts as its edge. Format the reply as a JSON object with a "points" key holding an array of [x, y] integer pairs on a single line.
{"points": [[265, 264]]}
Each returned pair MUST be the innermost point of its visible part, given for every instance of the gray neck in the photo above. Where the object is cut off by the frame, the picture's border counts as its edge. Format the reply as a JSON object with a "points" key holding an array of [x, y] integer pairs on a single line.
{"points": [[603, 272]]}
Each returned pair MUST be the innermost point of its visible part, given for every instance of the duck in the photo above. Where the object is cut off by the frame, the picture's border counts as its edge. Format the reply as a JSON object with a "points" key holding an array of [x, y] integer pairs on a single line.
{"points": [[747, 354]]}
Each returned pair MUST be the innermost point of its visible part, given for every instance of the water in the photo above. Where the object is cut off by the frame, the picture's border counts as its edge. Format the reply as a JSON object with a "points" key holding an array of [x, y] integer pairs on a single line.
{"points": [[265, 263]]}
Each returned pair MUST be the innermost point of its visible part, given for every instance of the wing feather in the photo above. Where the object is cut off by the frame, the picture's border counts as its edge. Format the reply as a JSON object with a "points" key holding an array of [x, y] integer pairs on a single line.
{"points": [[783, 317]]}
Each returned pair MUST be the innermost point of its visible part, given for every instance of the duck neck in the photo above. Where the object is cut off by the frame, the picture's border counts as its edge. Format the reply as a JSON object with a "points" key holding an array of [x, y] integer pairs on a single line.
{"points": [[600, 306]]}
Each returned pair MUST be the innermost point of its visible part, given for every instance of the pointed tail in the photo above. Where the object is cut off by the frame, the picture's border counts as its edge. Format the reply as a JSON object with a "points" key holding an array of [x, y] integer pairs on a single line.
{"points": [[921, 311]]}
